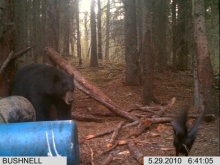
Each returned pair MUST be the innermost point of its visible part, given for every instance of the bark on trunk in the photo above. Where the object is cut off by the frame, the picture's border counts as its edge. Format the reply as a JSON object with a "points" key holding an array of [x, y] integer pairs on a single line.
{"points": [[205, 73], [148, 57], [131, 72]]}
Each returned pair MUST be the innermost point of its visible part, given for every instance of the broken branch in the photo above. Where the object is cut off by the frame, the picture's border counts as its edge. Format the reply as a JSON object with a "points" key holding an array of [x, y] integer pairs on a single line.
{"points": [[21, 52], [119, 142], [87, 118], [6, 62], [92, 156], [154, 108], [115, 134], [137, 154], [108, 159], [139, 131], [13, 56], [164, 108], [157, 120], [110, 131]]}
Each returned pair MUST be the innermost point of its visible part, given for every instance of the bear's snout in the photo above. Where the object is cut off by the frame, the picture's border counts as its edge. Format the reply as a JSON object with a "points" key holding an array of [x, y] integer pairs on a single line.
{"points": [[68, 98]]}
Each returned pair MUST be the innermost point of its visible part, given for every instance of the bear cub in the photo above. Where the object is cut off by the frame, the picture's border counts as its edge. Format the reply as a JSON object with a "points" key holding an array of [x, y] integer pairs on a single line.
{"points": [[45, 86]]}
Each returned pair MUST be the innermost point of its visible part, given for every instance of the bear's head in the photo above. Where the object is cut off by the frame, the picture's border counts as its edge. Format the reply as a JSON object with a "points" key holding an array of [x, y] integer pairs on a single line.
{"points": [[64, 87]]}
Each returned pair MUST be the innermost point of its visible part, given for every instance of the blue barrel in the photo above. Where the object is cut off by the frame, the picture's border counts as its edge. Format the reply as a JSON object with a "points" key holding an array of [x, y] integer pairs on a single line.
{"points": [[50, 138]]}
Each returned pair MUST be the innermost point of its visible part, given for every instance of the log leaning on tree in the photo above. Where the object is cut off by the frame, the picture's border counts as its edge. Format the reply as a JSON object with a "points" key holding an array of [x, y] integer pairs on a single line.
{"points": [[86, 87]]}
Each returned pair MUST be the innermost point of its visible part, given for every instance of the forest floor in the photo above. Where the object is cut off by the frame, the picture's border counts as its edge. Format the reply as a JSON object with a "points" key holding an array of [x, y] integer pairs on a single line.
{"points": [[156, 141]]}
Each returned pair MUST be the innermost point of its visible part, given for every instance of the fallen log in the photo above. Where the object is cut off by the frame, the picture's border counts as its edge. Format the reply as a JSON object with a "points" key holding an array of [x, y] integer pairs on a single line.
{"points": [[137, 154], [99, 134], [87, 118], [108, 159], [139, 131], [157, 110], [115, 134], [157, 120], [86, 87], [110, 131], [164, 108], [119, 142]]}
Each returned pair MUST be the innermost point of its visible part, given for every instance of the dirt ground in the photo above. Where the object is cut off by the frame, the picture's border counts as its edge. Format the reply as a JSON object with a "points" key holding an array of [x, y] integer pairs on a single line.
{"points": [[156, 141]]}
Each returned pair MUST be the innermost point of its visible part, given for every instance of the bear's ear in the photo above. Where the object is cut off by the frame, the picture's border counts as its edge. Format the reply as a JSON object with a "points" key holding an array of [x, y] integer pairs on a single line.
{"points": [[56, 78]]}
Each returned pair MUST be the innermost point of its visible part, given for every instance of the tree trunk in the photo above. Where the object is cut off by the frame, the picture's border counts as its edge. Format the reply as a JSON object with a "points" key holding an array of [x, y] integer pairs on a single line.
{"points": [[78, 34], [51, 26], [73, 10], [94, 58], [29, 28], [107, 31], [174, 31], [66, 27], [99, 30], [182, 50], [148, 59], [205, 73], [86, 33], [140, 40], [6, 45], [19, 15], [36, 29], [196, 82], [131, 43], [42, 28], [89, 89], [159, 34]]}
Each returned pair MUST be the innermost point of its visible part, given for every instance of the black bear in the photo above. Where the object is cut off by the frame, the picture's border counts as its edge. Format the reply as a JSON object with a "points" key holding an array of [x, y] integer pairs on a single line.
{"points": [[184, 138], [45, 86]]}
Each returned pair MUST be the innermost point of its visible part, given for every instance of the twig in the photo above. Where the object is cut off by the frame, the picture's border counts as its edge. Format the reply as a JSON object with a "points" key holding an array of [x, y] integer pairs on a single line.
{"points": [[6, 61], [164, 108], [139, 131], [145, 108], [191, 115], [21, 52], [108, 159], [110, 131], [13, 56], [99, 134], [119, 142], [86, 118], [154, 108], [157, 120], [111, 148], [92, 156], [115, 134]]}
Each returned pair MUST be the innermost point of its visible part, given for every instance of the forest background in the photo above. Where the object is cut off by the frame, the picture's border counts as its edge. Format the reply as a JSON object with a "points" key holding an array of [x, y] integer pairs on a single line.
{"points": [[136, 51], [146, 36]]}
